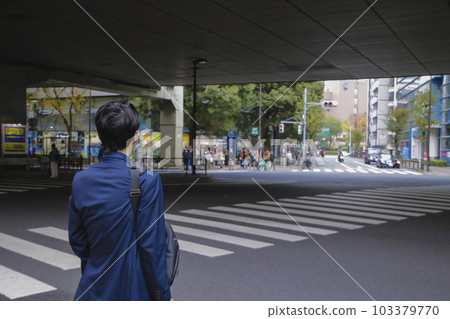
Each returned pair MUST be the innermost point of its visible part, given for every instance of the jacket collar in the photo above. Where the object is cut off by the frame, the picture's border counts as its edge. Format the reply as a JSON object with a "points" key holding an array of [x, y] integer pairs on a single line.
{"points": [[116, 157]]}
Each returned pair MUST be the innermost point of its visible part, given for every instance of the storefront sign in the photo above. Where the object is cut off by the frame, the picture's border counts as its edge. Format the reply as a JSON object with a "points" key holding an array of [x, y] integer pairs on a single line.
{"points": [[14, 140]]}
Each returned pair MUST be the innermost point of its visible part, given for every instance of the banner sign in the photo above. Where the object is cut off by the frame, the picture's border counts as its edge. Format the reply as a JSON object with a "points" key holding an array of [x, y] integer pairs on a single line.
{"points": [[14, 139]]}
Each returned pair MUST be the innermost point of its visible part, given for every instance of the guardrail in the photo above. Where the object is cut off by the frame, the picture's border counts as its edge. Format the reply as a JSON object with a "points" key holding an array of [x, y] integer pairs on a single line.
{"points": [[414, 164]]}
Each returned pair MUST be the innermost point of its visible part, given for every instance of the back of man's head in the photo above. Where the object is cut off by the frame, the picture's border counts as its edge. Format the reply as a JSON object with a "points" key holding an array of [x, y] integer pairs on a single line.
{"points": [[116, 123]]}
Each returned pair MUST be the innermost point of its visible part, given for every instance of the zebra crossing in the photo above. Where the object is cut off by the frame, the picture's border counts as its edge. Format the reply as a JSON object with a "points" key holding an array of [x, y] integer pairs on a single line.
{"points": [[19, 185], [359, 170], [219, 230]]}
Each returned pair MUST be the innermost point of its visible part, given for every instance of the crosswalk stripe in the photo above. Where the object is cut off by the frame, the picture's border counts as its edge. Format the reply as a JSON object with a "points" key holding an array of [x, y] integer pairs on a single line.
{"points": [[315, 214], [316, 170], [378, 199], [368, 203], [261, 222], [362, 170], [306, 170], [374, 171], [393, 195], [40, 253], [429, 193], [200, 249], [413, 195], [337, 210], [234, 240], [235, 227], [354, 206], [21, 187], [41, 182], [339, 170], [283, 216], [52, 232], [350, 170], [397, 171], [12, 190], [15, 285], [328, 170], [411, 172]]}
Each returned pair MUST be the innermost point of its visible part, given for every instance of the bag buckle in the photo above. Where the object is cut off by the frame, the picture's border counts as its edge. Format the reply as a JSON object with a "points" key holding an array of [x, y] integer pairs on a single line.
{"points": [[135, 193]]}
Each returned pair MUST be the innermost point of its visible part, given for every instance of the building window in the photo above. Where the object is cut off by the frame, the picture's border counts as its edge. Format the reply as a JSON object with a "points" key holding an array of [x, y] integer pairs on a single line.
{"points": [[345, 85]]}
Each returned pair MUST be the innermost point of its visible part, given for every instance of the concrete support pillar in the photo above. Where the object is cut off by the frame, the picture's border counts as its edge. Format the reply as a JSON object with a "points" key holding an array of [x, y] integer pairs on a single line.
{"points": [[171, 124], [13, 108]]}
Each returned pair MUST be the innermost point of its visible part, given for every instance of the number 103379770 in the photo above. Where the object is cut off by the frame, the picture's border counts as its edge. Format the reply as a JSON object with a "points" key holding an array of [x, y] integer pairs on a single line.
{"points": [[405, 310]]}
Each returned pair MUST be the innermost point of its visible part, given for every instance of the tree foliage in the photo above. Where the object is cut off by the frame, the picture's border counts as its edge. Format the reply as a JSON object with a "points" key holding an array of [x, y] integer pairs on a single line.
{"points": [[335, 127], [358, 124], [396, 122], [222, 108], [421, 104]]}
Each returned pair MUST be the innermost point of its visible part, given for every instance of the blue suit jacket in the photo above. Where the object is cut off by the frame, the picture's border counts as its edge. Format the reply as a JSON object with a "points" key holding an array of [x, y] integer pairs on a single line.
{"points": [[102, 233]]}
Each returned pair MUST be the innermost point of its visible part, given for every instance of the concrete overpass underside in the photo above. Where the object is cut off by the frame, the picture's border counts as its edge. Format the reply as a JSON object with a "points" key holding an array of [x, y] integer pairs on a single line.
{"points": [[54, 41]]}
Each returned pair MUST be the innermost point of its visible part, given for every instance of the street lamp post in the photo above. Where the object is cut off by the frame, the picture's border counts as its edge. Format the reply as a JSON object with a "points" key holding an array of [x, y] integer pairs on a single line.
{"points": [[193, 130]]}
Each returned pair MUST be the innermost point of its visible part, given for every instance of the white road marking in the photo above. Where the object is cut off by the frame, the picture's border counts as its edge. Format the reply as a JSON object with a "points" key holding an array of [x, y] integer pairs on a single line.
{"points": [[20, 187], [15, 285], [235, 227], [354, 206], [397, 171], [376, 171], [203, 250], [295, 170], [378, 199], [365, 203], [339, 170], [440, 198], [393, 196], [412, 172], [40, 253], [359, 169], [306, 170], [316, 170], [336, 210], [52, 232], [283, 216], [328, 170], [234, 240], [261, 222], [12, 190], [314, 214]]}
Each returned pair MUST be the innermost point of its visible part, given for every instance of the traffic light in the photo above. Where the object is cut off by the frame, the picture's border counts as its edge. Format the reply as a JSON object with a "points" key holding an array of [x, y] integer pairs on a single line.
{"points": [[281, 128], [299, 130], [329, 103]]}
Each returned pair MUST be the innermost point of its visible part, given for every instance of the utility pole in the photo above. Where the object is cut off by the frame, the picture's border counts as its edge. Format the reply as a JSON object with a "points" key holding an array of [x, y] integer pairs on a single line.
{"points": [[350, 146], [305, 109], [259, 130], [429, 128]]}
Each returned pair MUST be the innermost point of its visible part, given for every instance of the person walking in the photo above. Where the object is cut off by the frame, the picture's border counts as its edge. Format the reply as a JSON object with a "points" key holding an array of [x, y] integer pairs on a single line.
{"points": [[186, 154], [122, 257], [55, 159], [272, 159]]}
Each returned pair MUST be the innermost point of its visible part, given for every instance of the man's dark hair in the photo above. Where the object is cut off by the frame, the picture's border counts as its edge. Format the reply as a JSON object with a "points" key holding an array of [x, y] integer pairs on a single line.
{"points": [[116, 123]]}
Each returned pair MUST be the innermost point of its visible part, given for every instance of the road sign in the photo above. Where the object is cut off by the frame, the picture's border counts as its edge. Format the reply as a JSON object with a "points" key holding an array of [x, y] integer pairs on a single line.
{"points": [[255, 130], [325, 132]]}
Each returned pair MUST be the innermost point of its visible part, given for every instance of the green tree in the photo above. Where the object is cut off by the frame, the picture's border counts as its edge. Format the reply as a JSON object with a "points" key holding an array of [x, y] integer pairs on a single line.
{"points": [[65, 103], [396, 122], [420, 111], [222, 108], [335, 127], [358, 126]]}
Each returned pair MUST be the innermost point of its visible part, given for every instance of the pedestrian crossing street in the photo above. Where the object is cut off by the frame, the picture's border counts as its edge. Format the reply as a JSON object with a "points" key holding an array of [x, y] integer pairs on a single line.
{"points": [[19, 185], [367, 169], [220, 230]]}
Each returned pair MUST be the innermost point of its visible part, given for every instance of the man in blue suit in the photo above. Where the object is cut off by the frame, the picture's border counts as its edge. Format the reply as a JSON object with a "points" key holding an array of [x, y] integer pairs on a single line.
{"points": [[102, 229]]}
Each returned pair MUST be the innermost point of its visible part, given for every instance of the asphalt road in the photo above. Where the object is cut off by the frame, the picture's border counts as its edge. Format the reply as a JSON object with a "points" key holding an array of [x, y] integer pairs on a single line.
{"points": [[383, 236]]}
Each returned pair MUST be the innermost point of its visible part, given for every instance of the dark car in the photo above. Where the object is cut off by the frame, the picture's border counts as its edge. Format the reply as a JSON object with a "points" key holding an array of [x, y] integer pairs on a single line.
{"points": [[387, 160], [371, 157]]}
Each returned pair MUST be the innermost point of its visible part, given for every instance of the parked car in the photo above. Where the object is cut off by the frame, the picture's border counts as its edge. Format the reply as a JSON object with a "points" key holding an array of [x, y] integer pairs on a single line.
{"points": [[387, 160], [371, 157]]}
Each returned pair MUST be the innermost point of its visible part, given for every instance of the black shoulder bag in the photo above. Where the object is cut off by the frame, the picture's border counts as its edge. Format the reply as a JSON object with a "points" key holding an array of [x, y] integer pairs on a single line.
{"points": [[172, 246]]}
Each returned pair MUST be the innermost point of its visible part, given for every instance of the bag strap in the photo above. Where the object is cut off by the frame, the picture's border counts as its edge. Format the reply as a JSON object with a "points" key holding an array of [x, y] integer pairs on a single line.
{"points": [[135, 191]]}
